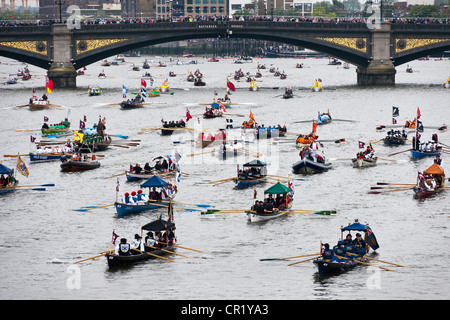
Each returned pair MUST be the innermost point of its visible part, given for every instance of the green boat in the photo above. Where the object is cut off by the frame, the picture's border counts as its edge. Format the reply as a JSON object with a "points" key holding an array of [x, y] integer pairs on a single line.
{"points": [[62, 127]]}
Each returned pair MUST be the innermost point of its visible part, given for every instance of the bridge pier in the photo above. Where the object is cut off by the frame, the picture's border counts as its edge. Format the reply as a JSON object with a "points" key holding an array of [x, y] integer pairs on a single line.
{"points": [[381, 70], [62, 72]]}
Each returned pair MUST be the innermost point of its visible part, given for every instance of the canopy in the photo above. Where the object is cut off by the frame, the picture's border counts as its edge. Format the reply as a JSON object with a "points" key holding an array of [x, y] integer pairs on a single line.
{"points": [[5, 170], [278, 189], [156, 182], [371, 239], [158, 225], [255, 163], [434, 169]]}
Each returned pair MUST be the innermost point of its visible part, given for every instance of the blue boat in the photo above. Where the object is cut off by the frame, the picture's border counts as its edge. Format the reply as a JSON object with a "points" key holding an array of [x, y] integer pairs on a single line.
{"points": [[421, 154], [41, 157], [324, 118], [124, 209], [346, 258], [245, 180], [7, 171]]}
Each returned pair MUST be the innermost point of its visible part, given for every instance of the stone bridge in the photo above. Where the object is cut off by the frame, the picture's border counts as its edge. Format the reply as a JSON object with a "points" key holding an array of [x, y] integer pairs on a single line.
{"points": [[375, 51]]}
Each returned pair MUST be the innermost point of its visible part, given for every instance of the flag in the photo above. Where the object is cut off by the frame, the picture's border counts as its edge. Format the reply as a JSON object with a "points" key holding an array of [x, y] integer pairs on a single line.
{"points": [[49, 85], [230, 85], [45, 119], [124, 89], [32, 139], [251, 116], [178, 173], [82, 124], [222, 106], [117, 185], [188, 115], [371, 240], [215, 92], [114, 237], [320, 80], [419, 126], [144, 93], [418, 135], [84, 119], [361, 144], [21, 167], [254, 193], [78, 136], [418, 114], [143, 83], [314, 127], [395, 111], [394, 121], [177, 155]]}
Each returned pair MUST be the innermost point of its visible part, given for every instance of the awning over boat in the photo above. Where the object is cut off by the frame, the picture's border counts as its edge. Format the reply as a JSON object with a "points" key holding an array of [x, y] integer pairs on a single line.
{"points": [[434, 169], [158, 225], [356, 227], [255, 163], [278, 189], [5, 170], [156, 182]]}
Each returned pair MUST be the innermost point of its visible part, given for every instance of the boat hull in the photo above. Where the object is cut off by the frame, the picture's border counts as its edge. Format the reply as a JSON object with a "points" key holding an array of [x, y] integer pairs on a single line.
{"points": [[242, 184], [123, 209], [128, 105], [326, 268], [258, 217], [394, 141], [421, 154], [118, 260], [41, 157], [363, 163], [310, 166], [71, 166], [421, 193]]}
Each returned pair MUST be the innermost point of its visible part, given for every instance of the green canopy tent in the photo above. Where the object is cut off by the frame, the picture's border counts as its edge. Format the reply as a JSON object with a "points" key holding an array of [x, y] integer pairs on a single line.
{"points": [[278, 189]]}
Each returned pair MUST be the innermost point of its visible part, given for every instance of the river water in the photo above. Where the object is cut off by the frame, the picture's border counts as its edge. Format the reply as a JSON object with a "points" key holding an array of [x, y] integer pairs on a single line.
{"points": [[42, 235]]}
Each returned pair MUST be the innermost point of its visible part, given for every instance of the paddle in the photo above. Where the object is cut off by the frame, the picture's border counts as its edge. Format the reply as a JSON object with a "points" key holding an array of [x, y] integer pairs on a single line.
{"points": [[182, 247], [276, 259], [37, 185], [291, 264], [100, 255], [93, 207], [395, 184], [369, 264], [116, 175], [153, 255], [394, 264], [167, 251], [400, 189], [393, 154], [18, 188]]}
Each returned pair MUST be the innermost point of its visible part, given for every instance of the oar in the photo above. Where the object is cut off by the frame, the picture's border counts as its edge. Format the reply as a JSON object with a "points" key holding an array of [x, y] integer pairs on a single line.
{"points": [[37, 185], [291, 264], [178, 254], [102, 254], [368, 264], [395, 184], [276, 259], [394, 264], [154, 255], [116, 175], [181, 247], [393, 154], [395, 190], [94, 207], [18, 188], [399, 187]]}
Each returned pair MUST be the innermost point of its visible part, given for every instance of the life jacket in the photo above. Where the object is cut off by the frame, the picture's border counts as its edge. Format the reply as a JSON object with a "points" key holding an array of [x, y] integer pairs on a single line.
{"points": [[124, 249]]}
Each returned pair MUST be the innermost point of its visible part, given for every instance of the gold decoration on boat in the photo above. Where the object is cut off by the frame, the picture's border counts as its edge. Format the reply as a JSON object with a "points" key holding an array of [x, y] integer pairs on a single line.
{"points": [[402, 45], [84, 46], [358, 44], [39, 47]]}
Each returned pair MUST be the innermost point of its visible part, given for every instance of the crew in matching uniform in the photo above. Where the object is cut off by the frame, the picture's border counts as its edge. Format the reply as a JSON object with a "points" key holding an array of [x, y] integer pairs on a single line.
{"points": [[123, 248]]}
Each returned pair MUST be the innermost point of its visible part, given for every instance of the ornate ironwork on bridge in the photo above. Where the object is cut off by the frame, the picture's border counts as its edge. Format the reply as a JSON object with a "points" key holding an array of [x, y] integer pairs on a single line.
{"points": [[375, 51]]}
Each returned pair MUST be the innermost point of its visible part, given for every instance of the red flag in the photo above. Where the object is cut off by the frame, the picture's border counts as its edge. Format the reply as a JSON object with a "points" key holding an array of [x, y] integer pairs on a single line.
{"points": [[114, 237], [251, 116], [188, 115], [143, 83], [394, 121], [230, 85], [314, 126], [418, 113], [49, 85], [361, 144], [254, 193], [32, 139], [45, 119]]}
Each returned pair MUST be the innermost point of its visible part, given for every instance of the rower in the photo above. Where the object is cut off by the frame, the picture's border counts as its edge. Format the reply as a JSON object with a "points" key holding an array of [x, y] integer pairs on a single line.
{"points": [[360, 245], [150, 242], [123, 248], [141, 197], [137, 244], [327, 253], [127, 199], [134, 197]]}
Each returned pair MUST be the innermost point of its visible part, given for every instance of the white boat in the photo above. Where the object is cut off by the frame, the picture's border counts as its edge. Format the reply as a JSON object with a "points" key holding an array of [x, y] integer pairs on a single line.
{"points": [[362, 163]]}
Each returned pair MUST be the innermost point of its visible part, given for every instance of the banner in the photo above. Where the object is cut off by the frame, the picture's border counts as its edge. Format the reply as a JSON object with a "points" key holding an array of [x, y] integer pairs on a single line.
{"points": [[21, 167]]}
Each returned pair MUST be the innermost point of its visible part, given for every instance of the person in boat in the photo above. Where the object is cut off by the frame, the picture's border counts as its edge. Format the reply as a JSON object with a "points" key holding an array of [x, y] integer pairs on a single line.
{"points": [[154, 195], [171, 239], [137, 169], [438, 160], [339, 251], [360, 245], [137, 244], [127, 199], [44, 97], [150, 242], [327, 253], [123, 248], [147, 167], [181, 124], [434, 137], [158, 166], [141, 197]]}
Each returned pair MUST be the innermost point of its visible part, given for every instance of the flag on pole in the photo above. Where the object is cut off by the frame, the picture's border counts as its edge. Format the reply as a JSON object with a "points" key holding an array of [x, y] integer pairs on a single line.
{"points": [[114, 237], [251, 116], [361, 144], [230, 85], [314, 126], [21, 167], [418, 114], [178, 173], [32, 139], [222, 106], [45, 119], [395, 111], [394, 121], [143, 83]]}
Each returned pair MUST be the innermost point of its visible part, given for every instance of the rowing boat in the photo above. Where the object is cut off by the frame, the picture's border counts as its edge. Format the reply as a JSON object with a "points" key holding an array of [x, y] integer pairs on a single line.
{"points": [[307, 165], [117, 260], [256, 215], [7, 171], [337, 260], [394, 141], [125, 105], [41, 157], [363, 163], [420, 154], [430, 182], [78, 165], [256, 173]]}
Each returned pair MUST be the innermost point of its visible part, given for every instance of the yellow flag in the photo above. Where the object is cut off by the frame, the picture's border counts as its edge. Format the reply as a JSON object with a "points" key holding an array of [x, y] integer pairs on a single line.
{"points": [[21, 167], [79, 136]]}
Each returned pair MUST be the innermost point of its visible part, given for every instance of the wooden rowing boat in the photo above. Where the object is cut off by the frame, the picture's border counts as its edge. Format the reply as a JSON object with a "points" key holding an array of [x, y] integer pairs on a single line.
{"points": [[363, 163], [125, 105], [310, 166], [79, 165]]}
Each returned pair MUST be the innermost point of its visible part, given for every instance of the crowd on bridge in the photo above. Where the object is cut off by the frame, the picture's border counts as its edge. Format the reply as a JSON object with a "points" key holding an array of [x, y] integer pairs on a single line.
{"points": [[100, 21]]}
